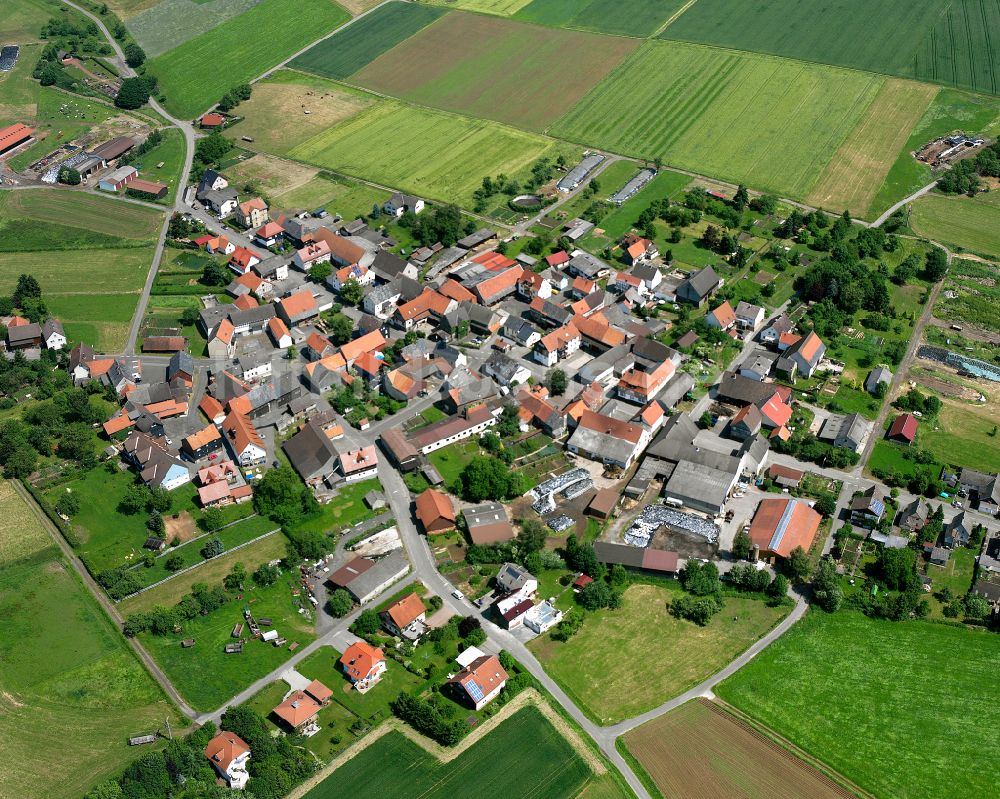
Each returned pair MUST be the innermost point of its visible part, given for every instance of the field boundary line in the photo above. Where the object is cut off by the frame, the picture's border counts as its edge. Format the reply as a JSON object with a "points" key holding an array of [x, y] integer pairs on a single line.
{"points": [[786, 748], [527, 697], [672, 19], [196, 565]]}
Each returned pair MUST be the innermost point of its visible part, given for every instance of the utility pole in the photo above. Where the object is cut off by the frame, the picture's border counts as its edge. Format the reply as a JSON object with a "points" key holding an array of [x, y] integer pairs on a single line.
{"points": [[170, 735]]}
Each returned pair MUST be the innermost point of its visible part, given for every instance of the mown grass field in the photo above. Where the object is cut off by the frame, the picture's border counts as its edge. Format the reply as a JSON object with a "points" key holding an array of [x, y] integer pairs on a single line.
{"points": [[970, 223], [344, 197], [70, 683], [963, 435], [961, 48], [625, 17], [862, 695], [432, 153], [90, 211], [275, 116], [524, 757], [859, 167], [697, 751], [359, 44], [495, 68], [170, 23], [596, 667], [197, 73], [876, 35], [207, 677], [18, 90], [170, 153], [950, 110], [771, 123], [500, 7], [23, 19]]}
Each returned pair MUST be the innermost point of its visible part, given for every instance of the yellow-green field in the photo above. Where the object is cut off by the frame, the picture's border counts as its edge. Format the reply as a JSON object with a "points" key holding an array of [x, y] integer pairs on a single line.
{"points": [[768, 122], [859, 167]]}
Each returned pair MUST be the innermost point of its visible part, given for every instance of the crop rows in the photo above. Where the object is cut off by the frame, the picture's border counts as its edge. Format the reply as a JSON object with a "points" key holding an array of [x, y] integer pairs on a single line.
{"points": [[959, 50]]}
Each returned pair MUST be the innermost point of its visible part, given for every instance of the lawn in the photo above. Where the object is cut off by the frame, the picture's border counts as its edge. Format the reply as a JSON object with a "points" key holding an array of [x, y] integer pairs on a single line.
{"points": [[18, 90], [968, 223], [347, 508], [624, 17], [524, 758], [665, 185], [70, 682], [197, 73], [453, 155], [207, 677], [700, 750], [858, 169], [770, 123], [169, 152], [323, 665], [875, 35], [89, 211], [956, 575], [596, 667], [863, 695], [170, 23], [101, 320], [494, 68], [451, 460], [962, 435], [359, 44], [23, 19], [288, 95], [337, 195], [274, 547]]}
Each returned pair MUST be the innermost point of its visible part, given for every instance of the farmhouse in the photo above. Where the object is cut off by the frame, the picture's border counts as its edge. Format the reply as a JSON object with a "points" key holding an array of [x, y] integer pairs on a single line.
{"points": [[119, 179], [781, 525], [848, 432], [228, 754], [14, 136], [312, 454], [399, 204], [698, 287], [487, 523], [364, 579], [481, 681], [363, 664], [607, 440]]}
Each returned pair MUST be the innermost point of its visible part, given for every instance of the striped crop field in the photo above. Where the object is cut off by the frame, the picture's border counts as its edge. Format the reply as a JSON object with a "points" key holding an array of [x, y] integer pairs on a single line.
{"points": [[961, 50], [858, 169], [503, 8], [432, 153], [194, 75], [495, 68], [359, 44], [768, 122]]}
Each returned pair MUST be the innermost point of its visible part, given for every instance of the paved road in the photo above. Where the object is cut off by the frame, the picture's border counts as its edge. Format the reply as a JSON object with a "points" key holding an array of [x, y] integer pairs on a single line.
{"points": [[905, 201], [102, 598]]}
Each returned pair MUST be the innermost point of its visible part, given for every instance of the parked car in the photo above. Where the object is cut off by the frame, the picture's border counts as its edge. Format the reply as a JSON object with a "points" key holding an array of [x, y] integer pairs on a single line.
{"points": [[458, 595]]}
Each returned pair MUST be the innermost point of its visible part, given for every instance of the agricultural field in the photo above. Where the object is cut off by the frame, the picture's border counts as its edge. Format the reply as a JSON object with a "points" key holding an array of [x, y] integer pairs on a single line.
{"points": [[874, 35], [90, 211], [855, 692], [18, 90], [966, 223], [338, 195], [23, 19], [204, 674], [502, 8], [494, 68], [858, 169], [313, 103], [768, 122], [453, 155], [596, 666], [197, 73], [950, 110], [170, 23], [624, 17], [169, 152], [359, 44], [70, 682], [976, 295], [701, 750], [524, 757], [960, 49]]}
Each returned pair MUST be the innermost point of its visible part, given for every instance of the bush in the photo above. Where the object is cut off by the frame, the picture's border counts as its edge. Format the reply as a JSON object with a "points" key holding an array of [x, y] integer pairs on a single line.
{"points": [[340, 603], [212, 549], [695, 609], [569, 626]]}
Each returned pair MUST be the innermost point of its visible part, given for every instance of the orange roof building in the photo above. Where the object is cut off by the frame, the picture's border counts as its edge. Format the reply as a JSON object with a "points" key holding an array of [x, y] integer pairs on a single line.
{"points": [[482, 680], [781, 525], [13, 136], [399, 616], [245, 302], [723, 317], [228, 753], [298, 307], [298, 710], [363, 664], [369, 342], [435, 511]]}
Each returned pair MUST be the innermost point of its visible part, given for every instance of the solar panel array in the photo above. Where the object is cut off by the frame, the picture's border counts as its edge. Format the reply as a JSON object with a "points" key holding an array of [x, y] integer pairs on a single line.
{"points": [[474, 690], [8, 57]]}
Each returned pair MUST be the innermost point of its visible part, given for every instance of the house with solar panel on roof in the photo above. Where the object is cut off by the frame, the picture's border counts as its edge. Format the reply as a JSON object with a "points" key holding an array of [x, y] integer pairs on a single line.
{"points": [[868, 508], [480, 682]]}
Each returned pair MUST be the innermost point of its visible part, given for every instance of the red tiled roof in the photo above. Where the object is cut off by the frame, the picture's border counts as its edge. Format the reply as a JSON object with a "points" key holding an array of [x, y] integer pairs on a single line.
{"points": [[224, 748], [360, 659], [406, 610], [433, 506], [299, 303], [904, 426], [367, 343], [456, 291], [244, 302], [781, 525], [557, 258], [724, 315]]}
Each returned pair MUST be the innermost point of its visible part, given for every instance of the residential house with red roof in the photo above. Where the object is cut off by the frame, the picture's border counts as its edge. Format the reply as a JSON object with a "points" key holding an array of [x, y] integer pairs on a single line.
{"points": [[298, 307], [370, 342], [558, 259], [269, 234], [435, 511], [903, 429], [429, 304], [242, 438], [406, 617], [361, 275], [501, 285], [721, 318], [252, 213], [531, 284], [312, 253], [481, 681], [635, 250], [244, 302], [299, 710], [363, 664], [557, 345], [242, 260], [359, 464], [641, 386], [803, 356], [278, 331], [220, 245], [228, 753]]}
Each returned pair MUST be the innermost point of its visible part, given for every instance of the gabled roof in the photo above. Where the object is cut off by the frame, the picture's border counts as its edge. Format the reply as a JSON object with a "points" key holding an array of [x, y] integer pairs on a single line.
{"points": [[298, 304], [454, 290], [297, 709], [241, 432], [360, 659], [481, 677], [367, 343], [724, 315], [256, 204], [904, 426], [432, 505], [224, 748], [406, 610], [781, 525]]}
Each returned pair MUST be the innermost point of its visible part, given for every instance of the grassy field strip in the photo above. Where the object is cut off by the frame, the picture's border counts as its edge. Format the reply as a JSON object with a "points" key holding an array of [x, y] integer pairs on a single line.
{"points": [[673, 17], [699, 749], [70, 682], [859, 167], [908, 736], [89, 211], [971, 223], [347, 51], [495, 68], [197, 73], [454, 153], [502, 8], [638, 18], [172, 22], [768, 122]]}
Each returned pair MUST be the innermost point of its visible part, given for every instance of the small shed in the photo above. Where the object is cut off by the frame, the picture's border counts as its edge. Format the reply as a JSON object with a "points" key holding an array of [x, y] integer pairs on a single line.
{"points": [[187, 643], [233, 649], [939, 556], [375, 500]]}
